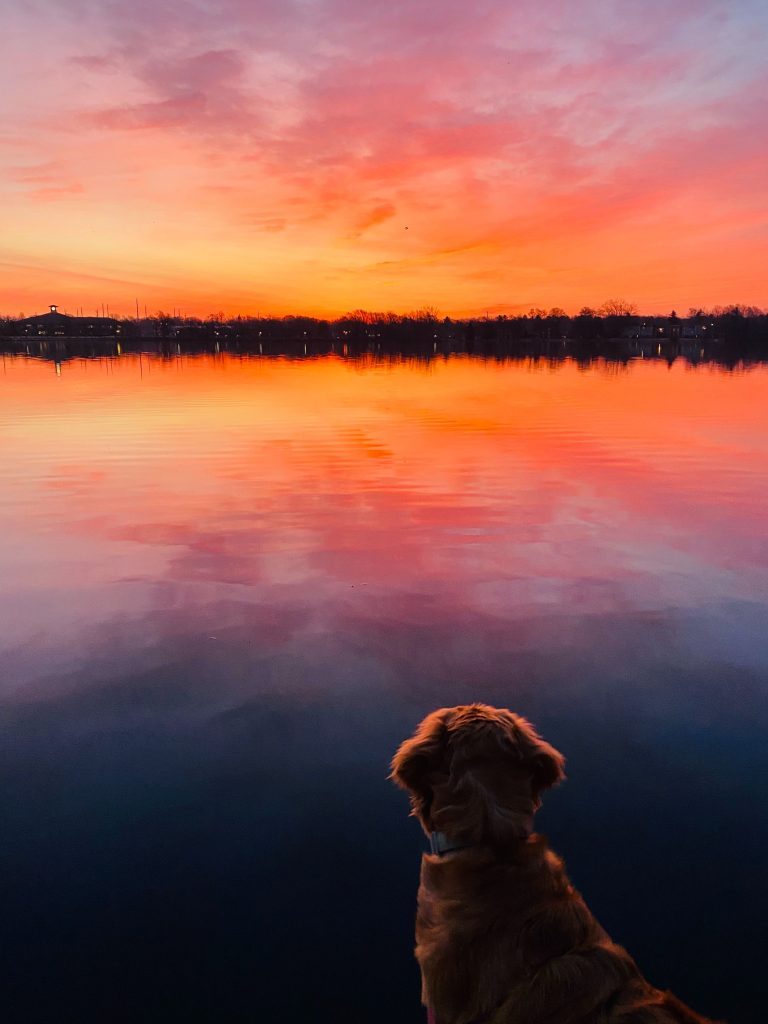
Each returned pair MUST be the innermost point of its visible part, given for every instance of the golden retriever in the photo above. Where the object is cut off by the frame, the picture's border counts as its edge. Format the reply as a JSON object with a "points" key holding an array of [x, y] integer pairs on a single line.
{"points": [[502, 937]]}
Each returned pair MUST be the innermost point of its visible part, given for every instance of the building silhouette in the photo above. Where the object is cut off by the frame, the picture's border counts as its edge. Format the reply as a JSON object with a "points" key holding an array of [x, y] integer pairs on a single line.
{"points": [[56, 324]]}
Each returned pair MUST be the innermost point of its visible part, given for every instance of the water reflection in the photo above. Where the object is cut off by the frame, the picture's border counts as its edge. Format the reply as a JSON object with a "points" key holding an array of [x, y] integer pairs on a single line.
{"points": [[728, 350], [228, 590]]}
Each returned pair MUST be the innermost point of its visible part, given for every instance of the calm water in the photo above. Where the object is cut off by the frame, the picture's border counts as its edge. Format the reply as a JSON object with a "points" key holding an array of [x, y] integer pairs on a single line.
{"points": [[229, 588]]}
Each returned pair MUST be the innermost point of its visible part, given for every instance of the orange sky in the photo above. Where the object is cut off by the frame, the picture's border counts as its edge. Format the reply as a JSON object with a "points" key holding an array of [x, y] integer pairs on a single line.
{"points": [[282, 157]]}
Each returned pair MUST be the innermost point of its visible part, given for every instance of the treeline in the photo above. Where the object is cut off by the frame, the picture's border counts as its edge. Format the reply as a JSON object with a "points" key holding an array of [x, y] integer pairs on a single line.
{"points": [[736, 323], [616, 319]]}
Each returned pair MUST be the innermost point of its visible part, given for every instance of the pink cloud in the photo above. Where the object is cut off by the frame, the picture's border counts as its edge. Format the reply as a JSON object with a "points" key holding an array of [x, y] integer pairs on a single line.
{"points": [[75, 188], [178, 112], [202, 92], [94, 62], [375, 216], [34, 174], [211, 70]]}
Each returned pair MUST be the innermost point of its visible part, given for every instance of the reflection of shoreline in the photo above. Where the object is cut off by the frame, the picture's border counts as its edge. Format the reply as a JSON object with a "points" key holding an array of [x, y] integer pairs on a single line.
{"points": [[729, 355]]}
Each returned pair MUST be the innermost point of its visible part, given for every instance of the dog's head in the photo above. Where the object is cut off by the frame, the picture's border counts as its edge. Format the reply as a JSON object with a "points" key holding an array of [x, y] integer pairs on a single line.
{"points": [[473, 771]]}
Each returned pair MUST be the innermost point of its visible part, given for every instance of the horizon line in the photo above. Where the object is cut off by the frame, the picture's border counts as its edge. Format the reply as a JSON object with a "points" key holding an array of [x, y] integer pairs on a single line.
{"points": [[605, 310]]}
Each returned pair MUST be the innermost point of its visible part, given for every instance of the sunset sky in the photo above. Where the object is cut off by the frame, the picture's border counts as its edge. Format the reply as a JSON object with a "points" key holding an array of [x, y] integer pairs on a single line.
{"points": [[315, 156]]}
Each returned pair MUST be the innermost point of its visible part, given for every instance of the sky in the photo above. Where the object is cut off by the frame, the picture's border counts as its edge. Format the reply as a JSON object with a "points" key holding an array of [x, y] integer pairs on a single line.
{"points": [[318, 156]]}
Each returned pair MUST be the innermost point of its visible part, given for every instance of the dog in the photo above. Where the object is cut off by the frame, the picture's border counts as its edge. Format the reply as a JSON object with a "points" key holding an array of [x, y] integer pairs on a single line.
{"points": [[502, 937]]}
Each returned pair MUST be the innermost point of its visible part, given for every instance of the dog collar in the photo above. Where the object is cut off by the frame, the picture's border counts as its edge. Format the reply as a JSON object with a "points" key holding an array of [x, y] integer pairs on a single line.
{"points": [[440, 843]]}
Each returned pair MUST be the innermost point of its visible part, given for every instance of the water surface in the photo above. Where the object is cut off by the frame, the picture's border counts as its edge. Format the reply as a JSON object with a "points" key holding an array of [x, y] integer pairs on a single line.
{"points": [[229, 588]]}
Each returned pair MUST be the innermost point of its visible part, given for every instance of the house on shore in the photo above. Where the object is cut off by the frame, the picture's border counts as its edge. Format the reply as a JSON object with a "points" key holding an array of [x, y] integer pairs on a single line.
{"points": [[55, 324], [675, 328]]}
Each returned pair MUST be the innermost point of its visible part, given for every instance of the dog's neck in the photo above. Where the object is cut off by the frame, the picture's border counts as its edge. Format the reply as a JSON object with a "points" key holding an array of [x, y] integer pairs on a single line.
{"points": [[480, 809], [440, 843]]}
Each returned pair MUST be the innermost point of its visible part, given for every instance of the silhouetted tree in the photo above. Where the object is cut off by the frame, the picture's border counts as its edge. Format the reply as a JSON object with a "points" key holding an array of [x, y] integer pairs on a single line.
{"points": [[587, 324], [617, 307]]}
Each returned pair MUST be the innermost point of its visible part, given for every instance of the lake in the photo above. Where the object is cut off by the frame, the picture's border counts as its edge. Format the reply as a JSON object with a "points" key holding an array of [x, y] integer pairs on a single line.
{"points": [[229, 587]]}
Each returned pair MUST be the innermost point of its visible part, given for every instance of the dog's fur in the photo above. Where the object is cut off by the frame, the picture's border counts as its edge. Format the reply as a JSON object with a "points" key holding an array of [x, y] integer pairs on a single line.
{"points": [[502, 937]]}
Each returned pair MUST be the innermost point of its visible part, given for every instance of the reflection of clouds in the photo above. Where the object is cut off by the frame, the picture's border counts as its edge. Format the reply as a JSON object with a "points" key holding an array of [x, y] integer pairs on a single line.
{"points": [[504, 491]]}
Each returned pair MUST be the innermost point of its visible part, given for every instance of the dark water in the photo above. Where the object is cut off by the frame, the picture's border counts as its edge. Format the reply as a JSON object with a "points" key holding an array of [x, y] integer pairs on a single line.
{"points": [[228, 589]]}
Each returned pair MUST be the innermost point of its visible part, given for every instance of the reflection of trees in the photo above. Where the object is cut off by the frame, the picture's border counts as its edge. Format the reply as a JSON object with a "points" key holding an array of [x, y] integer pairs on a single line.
{"points": [[585, 351]]}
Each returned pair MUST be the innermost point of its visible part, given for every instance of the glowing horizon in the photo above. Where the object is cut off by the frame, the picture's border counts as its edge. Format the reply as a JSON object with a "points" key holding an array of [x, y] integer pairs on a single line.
{"points": [[317, 157]]}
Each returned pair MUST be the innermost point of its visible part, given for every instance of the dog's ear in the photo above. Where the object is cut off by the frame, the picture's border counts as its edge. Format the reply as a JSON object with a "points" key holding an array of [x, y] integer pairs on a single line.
{"points": [[546, 765], [419, 759]]}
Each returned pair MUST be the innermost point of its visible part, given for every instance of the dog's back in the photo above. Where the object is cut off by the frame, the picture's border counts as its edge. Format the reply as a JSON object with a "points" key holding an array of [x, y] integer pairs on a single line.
{"points": [[504, 938]]}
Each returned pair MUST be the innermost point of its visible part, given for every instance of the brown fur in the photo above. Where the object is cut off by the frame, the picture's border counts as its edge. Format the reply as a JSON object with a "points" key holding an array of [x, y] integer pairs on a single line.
{"points": [[502, 937]]}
